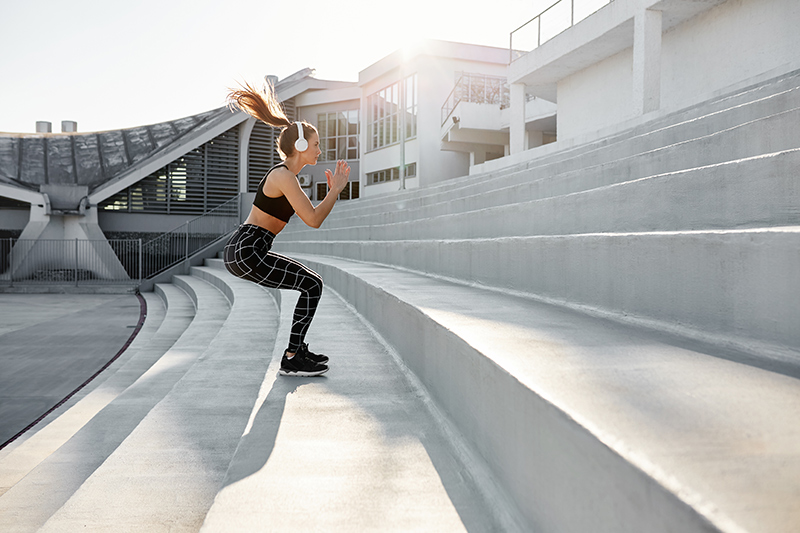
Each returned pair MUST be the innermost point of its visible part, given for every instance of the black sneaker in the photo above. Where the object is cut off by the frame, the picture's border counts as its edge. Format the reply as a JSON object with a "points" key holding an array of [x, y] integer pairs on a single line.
{"points": [[301, 366], [316, 357]]}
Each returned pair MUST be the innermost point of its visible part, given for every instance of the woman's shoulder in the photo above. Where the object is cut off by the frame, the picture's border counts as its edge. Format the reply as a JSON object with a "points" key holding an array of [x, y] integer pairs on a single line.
{"points": [[280, 171]]}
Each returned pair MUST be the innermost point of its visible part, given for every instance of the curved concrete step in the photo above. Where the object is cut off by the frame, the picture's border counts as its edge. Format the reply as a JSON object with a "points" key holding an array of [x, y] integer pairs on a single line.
{"points": [[169, 468], [64, 422], [25, 507], [361, 441], [594, 425]]}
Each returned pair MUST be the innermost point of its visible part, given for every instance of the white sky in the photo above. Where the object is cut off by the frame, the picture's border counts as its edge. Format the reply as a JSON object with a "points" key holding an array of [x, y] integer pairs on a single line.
{"points": [[111, 64]]}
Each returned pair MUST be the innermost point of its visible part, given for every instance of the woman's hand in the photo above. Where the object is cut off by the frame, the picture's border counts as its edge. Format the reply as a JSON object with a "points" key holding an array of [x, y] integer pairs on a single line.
{"points": [[337, 180]]}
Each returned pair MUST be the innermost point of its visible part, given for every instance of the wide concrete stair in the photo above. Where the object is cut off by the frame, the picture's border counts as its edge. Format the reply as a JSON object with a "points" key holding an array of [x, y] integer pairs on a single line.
{"points": [[191, 425], [611, 326]]}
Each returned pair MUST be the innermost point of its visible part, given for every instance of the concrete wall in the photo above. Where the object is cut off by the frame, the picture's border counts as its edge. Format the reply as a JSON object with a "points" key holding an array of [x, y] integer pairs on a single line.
{"points": [[737, 40], [597, 96], [723, 47]]}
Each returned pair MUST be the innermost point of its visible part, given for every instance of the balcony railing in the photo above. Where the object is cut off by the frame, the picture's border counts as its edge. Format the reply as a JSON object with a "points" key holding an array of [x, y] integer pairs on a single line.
{"points": [[82, 262], [557, 18], [476, 88]]}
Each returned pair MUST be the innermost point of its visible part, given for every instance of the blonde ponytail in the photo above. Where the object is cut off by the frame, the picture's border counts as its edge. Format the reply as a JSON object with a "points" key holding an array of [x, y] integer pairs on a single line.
{"points": [[261, 105], [265, 107]]}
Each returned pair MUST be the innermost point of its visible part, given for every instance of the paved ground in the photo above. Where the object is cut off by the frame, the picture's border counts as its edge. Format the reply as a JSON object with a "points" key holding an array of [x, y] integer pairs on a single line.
{"points": [[51, 343]]}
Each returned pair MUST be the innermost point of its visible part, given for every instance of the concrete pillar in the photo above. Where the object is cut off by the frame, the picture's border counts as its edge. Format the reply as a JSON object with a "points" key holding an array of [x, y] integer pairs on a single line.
{"points": [[647, 61], [516, 132], [245, 129], [477, 157]]}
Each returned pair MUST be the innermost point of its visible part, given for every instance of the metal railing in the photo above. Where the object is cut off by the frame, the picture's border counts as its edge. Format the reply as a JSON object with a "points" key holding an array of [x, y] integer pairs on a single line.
{"points": [[169, 249], [476, 88], [560, 16], [82, 262], [71, 262]]}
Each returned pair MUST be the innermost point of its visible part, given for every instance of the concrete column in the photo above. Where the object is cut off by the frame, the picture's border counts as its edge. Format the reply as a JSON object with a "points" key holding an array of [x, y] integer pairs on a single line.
{"points": [[647, 61], [516, 132], [477, 157], [245, 129]]}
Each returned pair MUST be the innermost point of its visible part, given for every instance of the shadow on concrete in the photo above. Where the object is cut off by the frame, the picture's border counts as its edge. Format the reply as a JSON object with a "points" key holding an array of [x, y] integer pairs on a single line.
{"points": [[256, 447]]}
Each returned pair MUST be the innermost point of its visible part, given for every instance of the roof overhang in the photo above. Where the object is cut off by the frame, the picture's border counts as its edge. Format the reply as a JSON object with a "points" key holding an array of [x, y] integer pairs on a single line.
{"points": [[224, 121]]}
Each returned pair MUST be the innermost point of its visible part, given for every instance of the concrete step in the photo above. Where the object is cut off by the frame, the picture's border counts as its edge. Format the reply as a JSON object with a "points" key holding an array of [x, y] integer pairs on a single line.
{"points": [[164, 476], [26, 507], [589, 424], [360, 447], [60, 425], [714, 126], [777, 132], [739, 286], [749, 193]]}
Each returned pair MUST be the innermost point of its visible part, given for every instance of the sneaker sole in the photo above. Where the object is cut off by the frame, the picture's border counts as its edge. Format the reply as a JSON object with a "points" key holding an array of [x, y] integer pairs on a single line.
{"points": [[301, 374]]}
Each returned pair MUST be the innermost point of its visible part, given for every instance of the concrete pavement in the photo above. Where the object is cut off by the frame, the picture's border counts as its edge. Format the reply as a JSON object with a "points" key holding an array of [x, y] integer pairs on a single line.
{"points": [[51, 343]]}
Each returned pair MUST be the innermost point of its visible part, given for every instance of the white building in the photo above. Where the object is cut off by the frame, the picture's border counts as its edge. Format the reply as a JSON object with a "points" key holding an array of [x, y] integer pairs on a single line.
{"points": [[635, 59]]}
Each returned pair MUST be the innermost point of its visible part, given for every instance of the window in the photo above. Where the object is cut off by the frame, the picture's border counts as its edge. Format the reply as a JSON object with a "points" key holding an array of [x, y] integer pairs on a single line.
{"points": [[391, 174], [338, 135], [348, 193], [385, 109]]}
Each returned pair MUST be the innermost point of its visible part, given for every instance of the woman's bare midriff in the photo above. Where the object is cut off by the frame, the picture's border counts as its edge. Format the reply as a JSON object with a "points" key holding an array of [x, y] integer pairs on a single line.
{"points": [[264, 220]]}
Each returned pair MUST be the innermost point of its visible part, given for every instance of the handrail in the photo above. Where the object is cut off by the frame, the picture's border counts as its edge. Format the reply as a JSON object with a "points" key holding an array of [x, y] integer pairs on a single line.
{"points": [[177, 245], [487, 90], [594, 6]]}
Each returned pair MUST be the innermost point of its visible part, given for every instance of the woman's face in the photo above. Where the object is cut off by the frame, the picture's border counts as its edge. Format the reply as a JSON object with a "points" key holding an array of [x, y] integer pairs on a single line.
{"points": [[312, 153]]}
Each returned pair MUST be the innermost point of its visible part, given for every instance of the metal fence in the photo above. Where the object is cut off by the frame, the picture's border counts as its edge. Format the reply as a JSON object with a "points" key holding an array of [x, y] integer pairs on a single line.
{"points": [[82, 262], [560, 16], [71, 262]]}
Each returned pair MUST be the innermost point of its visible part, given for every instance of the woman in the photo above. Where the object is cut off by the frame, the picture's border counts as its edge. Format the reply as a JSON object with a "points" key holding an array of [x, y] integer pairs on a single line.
{"points": [[279, 196]]}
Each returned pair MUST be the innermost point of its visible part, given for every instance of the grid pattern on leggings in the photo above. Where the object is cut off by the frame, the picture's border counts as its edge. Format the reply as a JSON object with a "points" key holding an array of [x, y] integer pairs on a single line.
{"points": [[248, 256]]}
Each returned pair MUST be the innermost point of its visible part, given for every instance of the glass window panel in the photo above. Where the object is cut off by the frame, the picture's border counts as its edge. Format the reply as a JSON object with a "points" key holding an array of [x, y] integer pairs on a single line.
{"points": [[343, 123], [331, 126], [352, 128], [352, 153], [341, 152]]}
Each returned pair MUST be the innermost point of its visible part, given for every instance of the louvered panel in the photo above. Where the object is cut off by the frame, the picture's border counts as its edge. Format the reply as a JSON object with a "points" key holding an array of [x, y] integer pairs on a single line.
{"points": [[262, 153], [192, 184]]}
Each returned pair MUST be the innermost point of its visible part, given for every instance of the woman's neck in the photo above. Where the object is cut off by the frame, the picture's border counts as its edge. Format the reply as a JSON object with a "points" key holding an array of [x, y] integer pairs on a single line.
{"points": [[294, 164]]}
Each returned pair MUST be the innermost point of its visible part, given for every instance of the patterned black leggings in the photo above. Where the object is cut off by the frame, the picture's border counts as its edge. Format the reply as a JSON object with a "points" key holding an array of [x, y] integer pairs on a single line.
{"points": [[248, 256]]}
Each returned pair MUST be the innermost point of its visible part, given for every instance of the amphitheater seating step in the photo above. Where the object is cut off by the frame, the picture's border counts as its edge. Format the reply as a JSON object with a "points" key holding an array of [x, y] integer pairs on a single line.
{"points": [[60, 425], [594, 425], [356, 449], [25, 506], [168, 469]]}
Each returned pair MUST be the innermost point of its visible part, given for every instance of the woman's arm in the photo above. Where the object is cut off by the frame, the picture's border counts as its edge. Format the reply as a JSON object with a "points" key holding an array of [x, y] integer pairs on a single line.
{"points": [[314, 216]]}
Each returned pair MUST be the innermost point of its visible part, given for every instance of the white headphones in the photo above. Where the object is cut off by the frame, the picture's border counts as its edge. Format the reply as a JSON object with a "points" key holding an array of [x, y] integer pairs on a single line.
{"points": [[301, 144]]}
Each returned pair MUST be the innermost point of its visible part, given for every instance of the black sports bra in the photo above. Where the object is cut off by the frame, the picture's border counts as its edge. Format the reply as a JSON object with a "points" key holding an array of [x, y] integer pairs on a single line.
{"points": [[278, 207]]}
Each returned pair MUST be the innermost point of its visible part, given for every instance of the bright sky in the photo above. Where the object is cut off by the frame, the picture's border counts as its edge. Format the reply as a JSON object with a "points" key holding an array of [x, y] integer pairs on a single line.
{"points": [[111, 64]]}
